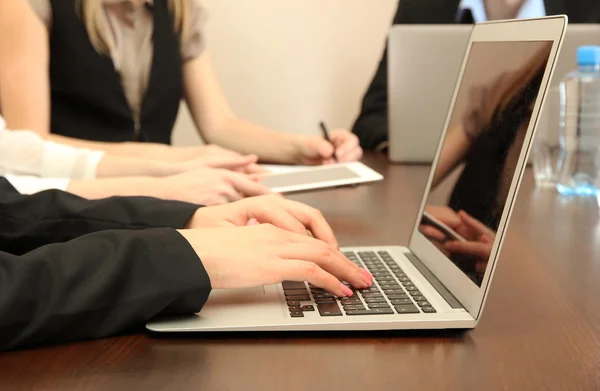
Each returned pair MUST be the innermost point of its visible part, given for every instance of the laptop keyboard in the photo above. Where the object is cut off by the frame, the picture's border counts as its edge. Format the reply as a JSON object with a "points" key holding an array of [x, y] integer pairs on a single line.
{"points": [[392, 292]]}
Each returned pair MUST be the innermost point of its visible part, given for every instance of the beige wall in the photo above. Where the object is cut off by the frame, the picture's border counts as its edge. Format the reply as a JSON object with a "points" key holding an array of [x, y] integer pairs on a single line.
{"points": [[289, 64]]}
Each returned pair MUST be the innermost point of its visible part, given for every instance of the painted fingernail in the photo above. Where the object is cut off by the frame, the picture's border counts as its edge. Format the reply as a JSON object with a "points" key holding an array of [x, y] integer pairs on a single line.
{"points": [[252, 221], [347, 291], [366, 276]]}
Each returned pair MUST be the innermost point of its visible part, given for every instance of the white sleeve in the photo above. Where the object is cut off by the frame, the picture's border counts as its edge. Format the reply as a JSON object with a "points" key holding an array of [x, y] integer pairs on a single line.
{"points": [[34, 184], [26, 153]]}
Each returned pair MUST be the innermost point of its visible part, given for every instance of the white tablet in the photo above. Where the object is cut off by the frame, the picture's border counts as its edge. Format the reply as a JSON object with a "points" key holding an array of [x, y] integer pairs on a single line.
{"points": [[292, 179]]}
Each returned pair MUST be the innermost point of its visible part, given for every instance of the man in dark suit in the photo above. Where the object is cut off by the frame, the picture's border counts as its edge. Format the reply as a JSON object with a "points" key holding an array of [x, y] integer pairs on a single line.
{"points": [[371, 126], [73, 269]]}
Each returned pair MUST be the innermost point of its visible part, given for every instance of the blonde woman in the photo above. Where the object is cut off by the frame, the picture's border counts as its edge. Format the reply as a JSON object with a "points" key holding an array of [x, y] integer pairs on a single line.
{"points": [[112, 73]]}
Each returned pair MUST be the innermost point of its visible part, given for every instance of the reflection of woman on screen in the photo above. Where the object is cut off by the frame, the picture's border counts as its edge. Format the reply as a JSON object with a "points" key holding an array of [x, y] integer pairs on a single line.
{"points": [[489, 141]]}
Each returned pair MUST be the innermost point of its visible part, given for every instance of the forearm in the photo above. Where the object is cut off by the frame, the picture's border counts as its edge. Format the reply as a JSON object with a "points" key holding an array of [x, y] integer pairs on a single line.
{"points": [[93, 189], [121, 166], [153, 151], [97, 286], [247, 138]]}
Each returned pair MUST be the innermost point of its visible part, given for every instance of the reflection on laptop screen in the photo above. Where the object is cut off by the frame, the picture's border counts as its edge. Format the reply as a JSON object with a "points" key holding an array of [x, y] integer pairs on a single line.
{"points": [[481, 149]]}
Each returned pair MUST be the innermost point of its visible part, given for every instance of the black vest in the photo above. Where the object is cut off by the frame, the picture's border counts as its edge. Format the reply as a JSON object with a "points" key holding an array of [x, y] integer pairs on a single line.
{"points": [[88, 101]]}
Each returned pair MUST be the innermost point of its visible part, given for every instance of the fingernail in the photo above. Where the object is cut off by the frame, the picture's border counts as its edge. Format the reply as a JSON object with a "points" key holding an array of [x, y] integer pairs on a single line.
{"points": [[366, 276], [347, 291], [252, 221]]}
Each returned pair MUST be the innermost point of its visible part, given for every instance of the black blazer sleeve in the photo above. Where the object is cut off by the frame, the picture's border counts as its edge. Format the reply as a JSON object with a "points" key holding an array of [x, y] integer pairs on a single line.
{"points": [[30, 221], [96, 286]]}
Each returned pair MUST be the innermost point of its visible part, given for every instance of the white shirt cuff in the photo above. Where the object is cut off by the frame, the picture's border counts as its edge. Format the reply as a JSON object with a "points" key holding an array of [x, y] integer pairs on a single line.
{"points": [[32, 184]]}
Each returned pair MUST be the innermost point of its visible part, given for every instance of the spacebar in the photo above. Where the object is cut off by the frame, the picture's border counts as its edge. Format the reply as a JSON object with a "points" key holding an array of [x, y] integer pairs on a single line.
{"points": [[374, 311]]}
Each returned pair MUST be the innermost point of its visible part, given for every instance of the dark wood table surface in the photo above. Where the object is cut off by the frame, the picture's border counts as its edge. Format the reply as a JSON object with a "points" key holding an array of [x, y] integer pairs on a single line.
{"points": [[540, 328]]}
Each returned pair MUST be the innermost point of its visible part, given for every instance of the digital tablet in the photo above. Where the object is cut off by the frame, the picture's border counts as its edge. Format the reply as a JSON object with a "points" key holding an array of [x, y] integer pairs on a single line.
{"points": [[292, 179]]}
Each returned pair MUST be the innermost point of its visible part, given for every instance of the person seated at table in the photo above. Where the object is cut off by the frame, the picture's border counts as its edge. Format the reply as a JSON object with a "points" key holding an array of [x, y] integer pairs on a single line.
{"points": [[73, 269], [487, 142], [32, 164], [371, 125], [110, 75]]}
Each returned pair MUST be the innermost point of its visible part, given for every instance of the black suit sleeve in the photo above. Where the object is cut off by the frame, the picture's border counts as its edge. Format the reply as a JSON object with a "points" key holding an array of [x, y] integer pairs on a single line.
{"points": [[371, 126], [74, 269], [30, 221], [96, 286]]}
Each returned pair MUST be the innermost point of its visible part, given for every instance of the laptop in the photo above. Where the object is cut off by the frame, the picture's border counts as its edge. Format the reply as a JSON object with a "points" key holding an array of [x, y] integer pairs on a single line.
{"points": [[424, 285], [295, 179], [417, 104]]}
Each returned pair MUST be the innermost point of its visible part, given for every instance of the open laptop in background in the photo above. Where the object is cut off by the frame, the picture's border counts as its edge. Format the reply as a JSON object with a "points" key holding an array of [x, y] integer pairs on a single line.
{"points": [[433, 283], [423, 61]]}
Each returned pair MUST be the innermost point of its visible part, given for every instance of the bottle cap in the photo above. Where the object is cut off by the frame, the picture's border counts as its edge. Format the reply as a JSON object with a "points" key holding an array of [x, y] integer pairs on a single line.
{"points": [[588, 55]]}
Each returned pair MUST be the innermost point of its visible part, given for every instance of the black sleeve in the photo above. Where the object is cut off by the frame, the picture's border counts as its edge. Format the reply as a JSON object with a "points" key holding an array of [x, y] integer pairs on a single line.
{"points": [[371, 126], [30, 221], [99, 285]]}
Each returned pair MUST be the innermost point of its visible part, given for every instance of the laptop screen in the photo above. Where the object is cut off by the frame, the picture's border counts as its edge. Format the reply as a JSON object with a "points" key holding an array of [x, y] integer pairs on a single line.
{"points": [[481, 149]]}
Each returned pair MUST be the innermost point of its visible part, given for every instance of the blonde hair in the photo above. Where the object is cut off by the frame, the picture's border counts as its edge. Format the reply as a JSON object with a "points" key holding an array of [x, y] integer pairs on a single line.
{"points": [[91, 14]]}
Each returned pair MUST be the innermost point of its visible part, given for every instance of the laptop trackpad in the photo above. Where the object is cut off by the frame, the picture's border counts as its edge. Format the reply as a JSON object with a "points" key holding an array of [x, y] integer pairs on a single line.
{"points": [[237, 296]]}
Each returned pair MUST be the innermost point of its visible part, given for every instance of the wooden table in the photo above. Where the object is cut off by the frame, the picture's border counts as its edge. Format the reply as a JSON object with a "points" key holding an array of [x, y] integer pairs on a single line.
{"points": [[540, 329]]}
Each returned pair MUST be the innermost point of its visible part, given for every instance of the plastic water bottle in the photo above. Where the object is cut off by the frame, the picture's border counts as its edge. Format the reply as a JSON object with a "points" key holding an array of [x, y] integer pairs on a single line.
{"points": [[580, 126]]}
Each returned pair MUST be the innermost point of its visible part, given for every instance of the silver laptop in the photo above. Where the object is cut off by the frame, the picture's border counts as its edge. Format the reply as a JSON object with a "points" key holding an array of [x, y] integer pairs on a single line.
{"points": [[434, 283], [423, 61]]}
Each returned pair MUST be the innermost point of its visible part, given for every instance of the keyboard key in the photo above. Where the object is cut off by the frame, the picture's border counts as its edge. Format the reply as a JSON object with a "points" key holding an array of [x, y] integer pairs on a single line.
{"points": [[353, 307], [307, 308], [423, 304], [298, 298], [296, 292], [329, 309], [378, 305], [293, 308], [428, 310], [325, 300], [293, 303], [401, 301], [419, 298], [386, 278], [392, 290], [404, 279], [371, 295], [352, 300], [375, 300], [389, 285], [297, 314], [412, 289], [369, 290], [414, 293], [374, 311], [320, 295], [293, 285], [407, 309], [397, 296]]}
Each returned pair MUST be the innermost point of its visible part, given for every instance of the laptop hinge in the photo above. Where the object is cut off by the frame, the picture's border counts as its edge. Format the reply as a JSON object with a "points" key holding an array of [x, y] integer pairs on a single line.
{"points": [[437, 284]]}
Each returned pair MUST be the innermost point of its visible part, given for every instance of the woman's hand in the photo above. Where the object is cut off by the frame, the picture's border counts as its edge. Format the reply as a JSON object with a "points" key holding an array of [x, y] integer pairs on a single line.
{"points": [[207, 186], [315, 150], [242, 257], [285, 214]]}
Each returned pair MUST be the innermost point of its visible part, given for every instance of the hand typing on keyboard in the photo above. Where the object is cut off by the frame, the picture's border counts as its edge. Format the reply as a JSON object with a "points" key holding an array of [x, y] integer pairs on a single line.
{"points": [[274, 251], [392, 293]]}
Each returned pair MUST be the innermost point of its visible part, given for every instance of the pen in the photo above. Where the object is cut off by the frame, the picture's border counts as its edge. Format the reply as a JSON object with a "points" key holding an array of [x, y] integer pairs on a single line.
{"points": [[326, 137]]}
